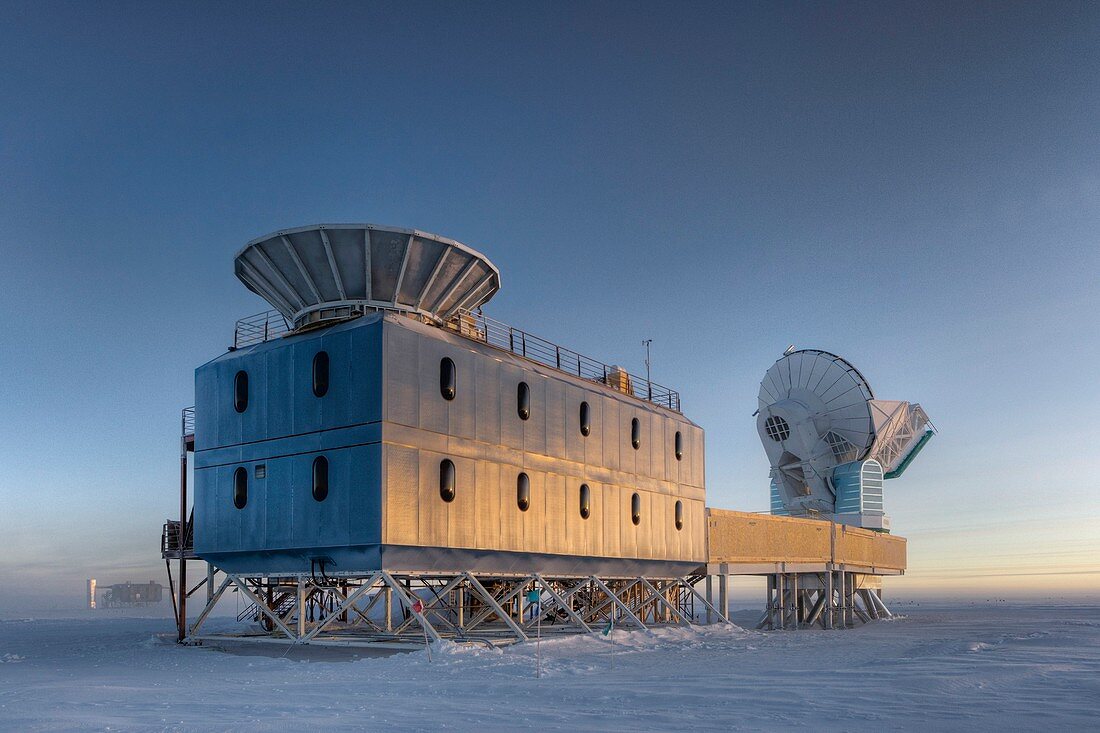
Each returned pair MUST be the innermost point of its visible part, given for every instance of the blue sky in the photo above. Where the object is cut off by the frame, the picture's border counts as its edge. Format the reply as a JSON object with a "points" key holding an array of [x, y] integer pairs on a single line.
{"points": [[913, 186]]}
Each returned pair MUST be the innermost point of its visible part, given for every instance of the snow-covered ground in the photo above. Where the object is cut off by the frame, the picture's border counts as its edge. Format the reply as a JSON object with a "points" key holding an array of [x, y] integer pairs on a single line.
{"points": [[992, 667]]}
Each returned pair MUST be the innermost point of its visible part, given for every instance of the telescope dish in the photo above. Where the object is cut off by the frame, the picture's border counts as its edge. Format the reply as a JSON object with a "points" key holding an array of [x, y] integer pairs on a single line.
{"points": [[817, 413], [835, 390], [315, 273]]}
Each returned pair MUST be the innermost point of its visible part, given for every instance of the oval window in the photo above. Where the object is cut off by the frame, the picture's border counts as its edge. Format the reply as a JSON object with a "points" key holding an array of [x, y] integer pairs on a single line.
{"points": [[523, 401], [447, 379], [586, 419], [240, 391], [635, 435], [320, 373], [636, 509], [679, 515], [447, 480], [586, 501], [320, 478], [240, 487], [523, 492], [679, 445]]}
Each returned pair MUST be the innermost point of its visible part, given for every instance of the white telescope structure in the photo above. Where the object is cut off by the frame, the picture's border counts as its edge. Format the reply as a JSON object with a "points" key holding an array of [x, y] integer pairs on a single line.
{"points": [[831, 444]]}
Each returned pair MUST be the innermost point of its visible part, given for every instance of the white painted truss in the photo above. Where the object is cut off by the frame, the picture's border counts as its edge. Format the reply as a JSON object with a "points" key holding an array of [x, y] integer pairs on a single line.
{"points": [[406, 610], [834, 599]]}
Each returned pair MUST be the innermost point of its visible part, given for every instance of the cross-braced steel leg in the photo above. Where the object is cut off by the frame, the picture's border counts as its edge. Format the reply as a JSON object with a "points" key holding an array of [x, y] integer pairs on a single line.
{"points": [[658, 597], [209, 607], [486, 596], [616, 601], [262, 606], [561, 603], [410, 606], [883, 611], [348, 602], [496, 606], [722, 616]]}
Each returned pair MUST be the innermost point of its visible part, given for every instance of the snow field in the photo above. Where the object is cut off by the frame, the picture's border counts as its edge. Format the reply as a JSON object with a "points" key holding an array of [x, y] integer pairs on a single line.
{"points": [[945, 668]]}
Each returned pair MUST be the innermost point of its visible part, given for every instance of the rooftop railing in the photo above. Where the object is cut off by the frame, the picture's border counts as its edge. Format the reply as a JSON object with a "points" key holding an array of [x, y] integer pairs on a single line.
{"points": [[479, 327], [259, 328], [175, 544], [187, 422], [271, 324]]}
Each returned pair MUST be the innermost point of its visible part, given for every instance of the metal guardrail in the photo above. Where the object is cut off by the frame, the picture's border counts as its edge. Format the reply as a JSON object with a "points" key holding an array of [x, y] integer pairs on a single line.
{"points": [[259, 328], [271, 324], [508, 338], [187, 422], [175, 546]]}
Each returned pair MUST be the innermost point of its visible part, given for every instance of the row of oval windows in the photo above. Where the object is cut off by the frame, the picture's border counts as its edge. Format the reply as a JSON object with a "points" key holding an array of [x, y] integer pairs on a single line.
{"points": [[448, 381], [320, 382], [448, 387], [523, 495], [320, 482], [447, 490]]}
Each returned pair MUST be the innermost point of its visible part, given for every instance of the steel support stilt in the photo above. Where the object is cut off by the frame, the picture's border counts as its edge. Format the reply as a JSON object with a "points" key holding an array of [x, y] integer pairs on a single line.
{"points": [[794, 601], [181, 616]]}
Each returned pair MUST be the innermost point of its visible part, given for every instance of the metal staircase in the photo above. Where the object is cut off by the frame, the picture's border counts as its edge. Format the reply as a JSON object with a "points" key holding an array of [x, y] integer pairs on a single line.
{"points": [[282, 605]]}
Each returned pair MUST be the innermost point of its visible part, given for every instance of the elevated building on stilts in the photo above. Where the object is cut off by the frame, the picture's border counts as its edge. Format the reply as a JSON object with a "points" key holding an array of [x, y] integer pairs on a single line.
{"points": [[377, 460]]}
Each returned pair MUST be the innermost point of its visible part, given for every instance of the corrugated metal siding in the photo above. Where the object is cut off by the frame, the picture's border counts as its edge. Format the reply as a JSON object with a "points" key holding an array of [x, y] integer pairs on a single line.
{"points": [[511, 427], [402, 490], [384, 445], [284, 427], [558, 501], [551, 450], [555, 427], [487, 379]]}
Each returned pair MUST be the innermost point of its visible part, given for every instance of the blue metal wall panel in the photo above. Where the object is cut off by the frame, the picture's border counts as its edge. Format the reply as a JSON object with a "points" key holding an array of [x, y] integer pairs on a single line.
{"points": [[846, 482], [206, 510], [778, 507], [284, 427], [283, 383], [364, 472], [228, 528], [253, 518], [207, 424], [279, 447], [281, 486], [336, 408], [281, 512], [280, 374], [253, 421]]}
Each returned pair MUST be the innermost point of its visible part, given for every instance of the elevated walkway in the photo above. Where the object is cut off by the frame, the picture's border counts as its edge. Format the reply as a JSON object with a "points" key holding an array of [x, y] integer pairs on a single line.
{"points": [[819, 573], [761, 544]]}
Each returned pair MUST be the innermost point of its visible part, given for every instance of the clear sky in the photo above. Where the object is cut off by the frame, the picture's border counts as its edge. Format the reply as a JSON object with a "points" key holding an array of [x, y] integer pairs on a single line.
{"points": [[913, 186]]}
